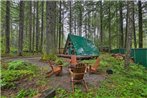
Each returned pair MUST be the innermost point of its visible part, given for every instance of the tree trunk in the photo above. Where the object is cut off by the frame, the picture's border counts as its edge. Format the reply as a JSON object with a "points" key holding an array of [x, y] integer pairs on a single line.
{"points": [[33, 29], [118, 27], [37, 27], [101, 24], [21, 26], [62, 35], [140, 24], [129, 33], [60, 24], [80, 19], [30, 27], [54, 23], [75, 25], [25, 22], [62, 27], [42, 24], [121, 25], [85, 26], [50, 5], [7, 28], [126, 28], [109, 27], [134, 31], [89, 27], [70, 18]]}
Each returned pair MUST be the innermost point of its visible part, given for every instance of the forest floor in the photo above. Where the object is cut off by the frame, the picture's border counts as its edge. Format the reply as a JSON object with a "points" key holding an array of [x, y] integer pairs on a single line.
{"points": [[24, 80], [62, 81]]}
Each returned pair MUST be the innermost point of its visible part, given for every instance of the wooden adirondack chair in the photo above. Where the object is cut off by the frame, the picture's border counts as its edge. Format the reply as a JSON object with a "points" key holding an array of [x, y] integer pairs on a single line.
{"points": [[73, 60], [77, 75], [54, 69], [93, 68]]}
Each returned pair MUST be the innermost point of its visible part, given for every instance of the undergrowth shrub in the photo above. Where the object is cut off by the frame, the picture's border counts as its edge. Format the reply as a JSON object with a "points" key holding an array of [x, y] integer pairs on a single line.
{"points": [[21, 65], [65, 64], [59, 61], [26, 93], [61, 93], [18, 65], [125, 82], [4, 65], [16, 70], [46, 57], [9, 76]]}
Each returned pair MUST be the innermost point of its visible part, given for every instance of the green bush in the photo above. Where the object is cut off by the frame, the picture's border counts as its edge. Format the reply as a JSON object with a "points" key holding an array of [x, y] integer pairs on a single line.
{"points": [[46, 57], [18, 65], [16, 70], [59, 61], [89, 61], [8, 76], [26, 93], [65, 64]]}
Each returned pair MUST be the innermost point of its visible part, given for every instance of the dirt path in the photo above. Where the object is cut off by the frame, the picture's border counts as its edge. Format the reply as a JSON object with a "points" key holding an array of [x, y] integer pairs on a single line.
{"points": [[63, 81], [33, 60]]}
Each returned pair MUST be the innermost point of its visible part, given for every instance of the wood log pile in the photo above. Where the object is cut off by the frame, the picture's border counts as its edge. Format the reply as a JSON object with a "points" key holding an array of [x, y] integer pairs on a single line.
{"points": [[122, 57]]}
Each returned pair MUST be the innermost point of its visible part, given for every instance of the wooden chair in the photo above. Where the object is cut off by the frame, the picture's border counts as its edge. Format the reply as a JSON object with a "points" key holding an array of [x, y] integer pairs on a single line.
{"points": [[54, 69], [73, 60], [93, 68], [77, 75]]}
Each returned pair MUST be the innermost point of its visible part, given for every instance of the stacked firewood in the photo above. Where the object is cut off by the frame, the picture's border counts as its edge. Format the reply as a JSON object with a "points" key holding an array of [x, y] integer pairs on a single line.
{"points": [[122, 57]]}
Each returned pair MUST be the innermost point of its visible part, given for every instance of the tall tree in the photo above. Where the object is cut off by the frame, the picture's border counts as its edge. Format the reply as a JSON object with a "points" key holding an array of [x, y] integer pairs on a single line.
{"points": [[21, 27], [80, 18], [117, 29], [37, 25], [75, 25], [70, 18], [101, 23], [126, 27], [30, 25], [42, 24], [50, 5], [129, 32], [33, 27], [26, 20], [7, 28], [140, 24], [109, 26], [121, 24], [134, 31], [89, 26], [60, 24], [54, 18]]}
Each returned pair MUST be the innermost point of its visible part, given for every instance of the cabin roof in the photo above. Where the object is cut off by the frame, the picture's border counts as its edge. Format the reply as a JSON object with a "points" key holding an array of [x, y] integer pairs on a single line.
{"points": [[81, 45]]}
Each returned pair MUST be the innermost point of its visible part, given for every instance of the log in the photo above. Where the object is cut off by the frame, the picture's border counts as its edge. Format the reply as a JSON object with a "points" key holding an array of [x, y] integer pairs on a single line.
{"points": [[49, 93], [79, 57]]}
